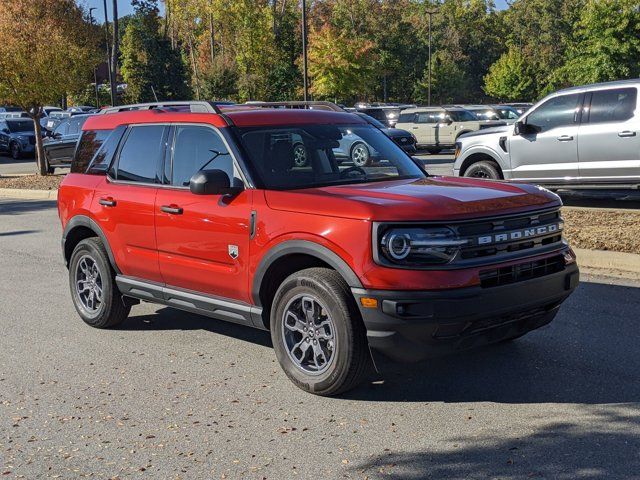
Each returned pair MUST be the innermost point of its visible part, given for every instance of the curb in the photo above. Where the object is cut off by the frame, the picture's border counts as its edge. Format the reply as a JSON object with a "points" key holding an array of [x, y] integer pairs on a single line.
{"points": [[603, 259], [26, 194]]}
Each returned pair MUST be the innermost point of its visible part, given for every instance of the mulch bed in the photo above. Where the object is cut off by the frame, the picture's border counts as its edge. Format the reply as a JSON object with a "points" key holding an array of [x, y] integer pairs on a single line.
{"points": [[32, 182]]}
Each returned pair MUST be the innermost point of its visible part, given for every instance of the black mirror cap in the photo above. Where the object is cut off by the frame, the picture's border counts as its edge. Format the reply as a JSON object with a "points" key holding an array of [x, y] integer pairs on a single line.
{"points": [[212, 182], [518, 127]]}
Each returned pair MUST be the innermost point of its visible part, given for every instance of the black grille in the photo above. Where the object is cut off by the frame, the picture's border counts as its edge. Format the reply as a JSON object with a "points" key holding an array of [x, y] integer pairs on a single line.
{"points": [[521, 271]]}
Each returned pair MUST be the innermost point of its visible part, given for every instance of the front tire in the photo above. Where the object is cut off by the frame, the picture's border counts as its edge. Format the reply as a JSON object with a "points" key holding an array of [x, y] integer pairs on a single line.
{"points": [[484, 169], [93, 288], [318, 335], [360, 155], [299, 155], [16, 151]]}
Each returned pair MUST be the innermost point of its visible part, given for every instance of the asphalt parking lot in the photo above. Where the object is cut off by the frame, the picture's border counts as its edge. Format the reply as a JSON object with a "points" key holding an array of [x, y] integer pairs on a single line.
{"points": [[174, 395]]}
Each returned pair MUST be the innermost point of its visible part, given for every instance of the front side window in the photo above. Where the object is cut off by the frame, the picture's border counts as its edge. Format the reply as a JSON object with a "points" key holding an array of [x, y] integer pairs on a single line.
{"points": [[141, 154], [461, 116], [430, 117], [312, 156], [615, 105], [555, 112], [198, 148]]}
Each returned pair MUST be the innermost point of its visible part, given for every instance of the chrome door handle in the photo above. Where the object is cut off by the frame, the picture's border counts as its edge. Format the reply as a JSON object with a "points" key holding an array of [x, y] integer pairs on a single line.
{"points": [[414, 128], [565, 138], [627, 133], [172, 209], [107, 202]]}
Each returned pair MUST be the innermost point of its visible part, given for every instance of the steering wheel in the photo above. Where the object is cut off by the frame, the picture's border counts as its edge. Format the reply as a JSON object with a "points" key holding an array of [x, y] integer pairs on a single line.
{"points": [[347, 172]]}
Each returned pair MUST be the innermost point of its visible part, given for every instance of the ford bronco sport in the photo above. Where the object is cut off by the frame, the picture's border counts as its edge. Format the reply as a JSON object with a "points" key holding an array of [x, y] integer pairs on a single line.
{"points": [[205, 210]]}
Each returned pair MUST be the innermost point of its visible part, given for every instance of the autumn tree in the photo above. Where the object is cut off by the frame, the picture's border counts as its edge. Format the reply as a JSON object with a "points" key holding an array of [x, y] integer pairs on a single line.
{"points": [[46, 50], [511, 77]]}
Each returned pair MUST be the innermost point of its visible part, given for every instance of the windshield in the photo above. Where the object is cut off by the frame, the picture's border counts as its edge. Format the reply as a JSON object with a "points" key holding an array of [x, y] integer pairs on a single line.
{"points": [[321, 155], [461, 116], [21, 126], [372, 120]]}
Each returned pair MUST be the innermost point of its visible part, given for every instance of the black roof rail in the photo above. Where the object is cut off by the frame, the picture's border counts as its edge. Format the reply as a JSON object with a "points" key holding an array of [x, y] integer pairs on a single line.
{"points": [[195, 106], [310, 105]]}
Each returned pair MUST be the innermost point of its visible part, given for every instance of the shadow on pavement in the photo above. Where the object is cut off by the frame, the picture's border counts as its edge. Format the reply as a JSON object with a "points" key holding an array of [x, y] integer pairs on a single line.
{"points": [[605, 448], [18, 232], [171, 319], [19, 207]]}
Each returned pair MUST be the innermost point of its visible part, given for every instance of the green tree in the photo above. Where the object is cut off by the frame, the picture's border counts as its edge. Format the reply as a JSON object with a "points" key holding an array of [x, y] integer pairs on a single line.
{"points": [[605, 44], [149, 64], [510, 77], [46, 50]]}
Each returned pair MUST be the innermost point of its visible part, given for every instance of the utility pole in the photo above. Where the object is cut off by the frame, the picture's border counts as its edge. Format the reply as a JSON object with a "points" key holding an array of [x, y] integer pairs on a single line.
{"points": [[106, 40], [430, 13], [95, 69], [114, 51], [305, 79]]}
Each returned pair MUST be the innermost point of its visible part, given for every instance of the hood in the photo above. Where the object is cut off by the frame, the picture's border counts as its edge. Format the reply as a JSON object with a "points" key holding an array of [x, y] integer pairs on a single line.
{"points": [[433, 198], [486, 131]]}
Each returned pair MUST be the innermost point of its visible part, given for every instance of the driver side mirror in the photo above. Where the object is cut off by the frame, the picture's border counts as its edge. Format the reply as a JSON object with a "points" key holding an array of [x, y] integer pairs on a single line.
{"points": [[521, 127], [212, 182], [448, 120]]}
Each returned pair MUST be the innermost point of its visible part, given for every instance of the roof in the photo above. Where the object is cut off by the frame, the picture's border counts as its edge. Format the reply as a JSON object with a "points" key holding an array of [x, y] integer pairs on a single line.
{"points": [[240, 118], [591, 86]]}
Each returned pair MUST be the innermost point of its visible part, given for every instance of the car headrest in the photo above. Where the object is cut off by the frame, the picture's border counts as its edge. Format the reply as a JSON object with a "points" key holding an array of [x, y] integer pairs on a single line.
{"points": [[282, 157]]}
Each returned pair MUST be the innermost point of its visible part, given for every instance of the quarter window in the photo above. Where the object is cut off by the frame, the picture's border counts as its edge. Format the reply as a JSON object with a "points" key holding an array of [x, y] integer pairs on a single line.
{"points": [[141, 153], [555, 112], [615, 105], [198, 148], [90, 143]]}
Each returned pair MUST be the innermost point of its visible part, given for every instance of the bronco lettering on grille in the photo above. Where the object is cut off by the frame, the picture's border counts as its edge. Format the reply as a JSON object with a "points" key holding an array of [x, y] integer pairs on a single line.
{"points": [[519, 234]]}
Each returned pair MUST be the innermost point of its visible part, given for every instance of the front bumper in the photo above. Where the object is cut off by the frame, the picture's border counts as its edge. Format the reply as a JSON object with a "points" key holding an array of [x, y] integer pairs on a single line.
{"points": [[413, 325]]}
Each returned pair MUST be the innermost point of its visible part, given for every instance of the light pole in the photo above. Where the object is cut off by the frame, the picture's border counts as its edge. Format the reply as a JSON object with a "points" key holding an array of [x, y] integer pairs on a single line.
{"points": [[106, 40], [430, 13], [95, 74], [305, 79]]}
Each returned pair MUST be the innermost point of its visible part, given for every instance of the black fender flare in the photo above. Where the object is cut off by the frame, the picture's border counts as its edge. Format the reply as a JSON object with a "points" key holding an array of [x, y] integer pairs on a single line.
{"points": [[84, 221], [302, 247]]}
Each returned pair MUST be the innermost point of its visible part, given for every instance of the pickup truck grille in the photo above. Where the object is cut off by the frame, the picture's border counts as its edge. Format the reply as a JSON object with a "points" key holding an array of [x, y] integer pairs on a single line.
{"points": [[509, 237]]}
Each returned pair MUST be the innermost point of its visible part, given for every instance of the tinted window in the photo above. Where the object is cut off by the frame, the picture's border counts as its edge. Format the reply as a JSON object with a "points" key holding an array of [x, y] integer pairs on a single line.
{"points": [[89, 144], [407, 118], [461, 116], [140, 155], [21, 126], [62, 128], [555, 112], [75, 125], [615, 105], [430, 117], [3, 126], [198, 148]]}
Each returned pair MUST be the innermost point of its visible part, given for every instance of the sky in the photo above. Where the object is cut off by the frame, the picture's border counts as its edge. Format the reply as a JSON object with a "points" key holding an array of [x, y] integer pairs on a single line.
{"points": [[125, 8]]}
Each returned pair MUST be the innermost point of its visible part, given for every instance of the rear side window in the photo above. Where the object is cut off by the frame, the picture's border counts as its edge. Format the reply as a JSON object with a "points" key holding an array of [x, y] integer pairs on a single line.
{"points": [[89, 144], [141, 154], [616, 105]]}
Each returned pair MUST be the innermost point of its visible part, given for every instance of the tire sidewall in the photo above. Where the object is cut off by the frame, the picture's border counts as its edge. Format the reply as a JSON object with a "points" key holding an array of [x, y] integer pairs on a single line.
{"points": [[487, 167], [336, 308], [86, 248], [15, 150]]}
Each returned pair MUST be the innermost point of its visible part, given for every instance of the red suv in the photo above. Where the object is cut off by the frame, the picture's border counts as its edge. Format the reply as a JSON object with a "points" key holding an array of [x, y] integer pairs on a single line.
{"points": [[206, 210]]}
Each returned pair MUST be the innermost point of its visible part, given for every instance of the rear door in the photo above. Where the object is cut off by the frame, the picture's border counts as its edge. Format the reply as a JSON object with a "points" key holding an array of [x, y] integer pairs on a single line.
{"points": [[424, 129], [124, 203], [54, 146], [609, 136], [203, 240], [4, 136], [549, 153]]}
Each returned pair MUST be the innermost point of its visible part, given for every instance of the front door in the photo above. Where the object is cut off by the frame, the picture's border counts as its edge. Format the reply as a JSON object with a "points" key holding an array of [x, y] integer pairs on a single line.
{"points": [[548, 152], [203, 240], [424, 129], [124, 203], [609, 136]]}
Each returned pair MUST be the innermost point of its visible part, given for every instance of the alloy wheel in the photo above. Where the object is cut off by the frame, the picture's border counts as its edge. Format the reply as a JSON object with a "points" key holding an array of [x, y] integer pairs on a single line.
{"points": [[360, 155], [308, 334], [299, 156], [89, 284]]}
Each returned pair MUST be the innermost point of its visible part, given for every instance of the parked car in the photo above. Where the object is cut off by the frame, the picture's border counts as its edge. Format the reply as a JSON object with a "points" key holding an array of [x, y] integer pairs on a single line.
{"points": [[8, 108], [499, 113], [519, 107], [387, 114], [80, 109], [335, 261], [406, 140], [437, 128], [60, 144], [4, 115], [17, 137], [581, 136]]}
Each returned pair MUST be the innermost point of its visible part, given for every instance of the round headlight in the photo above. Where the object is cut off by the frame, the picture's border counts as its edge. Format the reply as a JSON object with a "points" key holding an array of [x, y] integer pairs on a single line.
{"points": [[398, 245]]}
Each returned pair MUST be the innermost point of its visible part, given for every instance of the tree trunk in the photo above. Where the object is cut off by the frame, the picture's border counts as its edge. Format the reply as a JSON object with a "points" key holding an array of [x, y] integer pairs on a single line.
{"points": [[194, 66], [40, 159], [212, 39]]}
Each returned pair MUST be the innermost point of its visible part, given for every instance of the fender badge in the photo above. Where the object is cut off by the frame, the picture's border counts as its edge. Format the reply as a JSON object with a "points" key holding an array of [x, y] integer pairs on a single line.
{"points": [[233, 251]]}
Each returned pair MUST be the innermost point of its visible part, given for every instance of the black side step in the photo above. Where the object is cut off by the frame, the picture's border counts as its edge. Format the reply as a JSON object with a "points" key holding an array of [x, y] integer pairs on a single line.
{"points": [[208, 305]]}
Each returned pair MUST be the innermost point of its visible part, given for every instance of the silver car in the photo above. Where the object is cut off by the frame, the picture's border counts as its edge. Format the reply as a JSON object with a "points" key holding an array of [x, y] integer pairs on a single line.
{"points": [[582, 136]]}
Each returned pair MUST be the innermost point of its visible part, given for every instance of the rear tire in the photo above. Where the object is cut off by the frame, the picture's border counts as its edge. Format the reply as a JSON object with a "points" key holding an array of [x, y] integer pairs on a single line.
{"points": [[360, 155], [16, 152], [93, 288], [332, 356], [484, 169]]}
